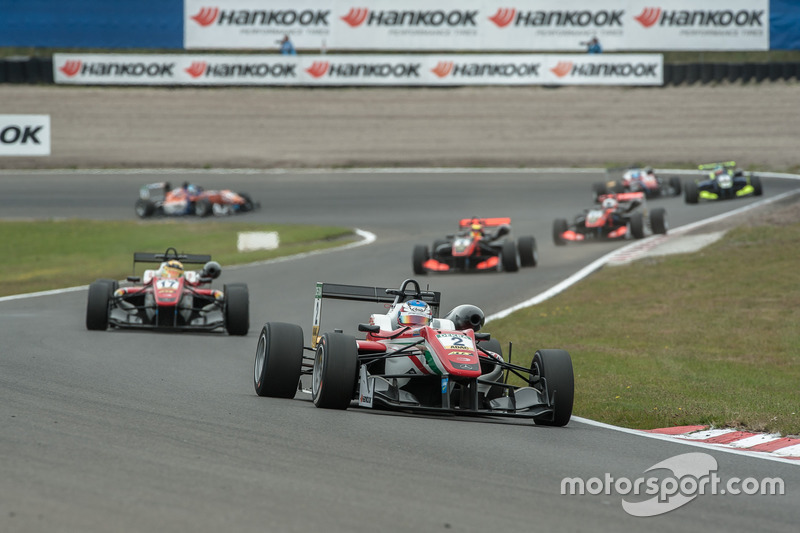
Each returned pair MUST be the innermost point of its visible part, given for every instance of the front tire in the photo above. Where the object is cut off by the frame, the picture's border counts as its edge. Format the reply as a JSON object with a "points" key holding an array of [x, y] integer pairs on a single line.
{"points": [[528, 254], [559, 227], [555, 366], [637, 226], [279, 360], [508, 256], [675, 185], [755, 181], [145, 208], [202, 207], [658, 221], [98, 304], [420, 256], [237, 309], [335, 371], [690, 192]]}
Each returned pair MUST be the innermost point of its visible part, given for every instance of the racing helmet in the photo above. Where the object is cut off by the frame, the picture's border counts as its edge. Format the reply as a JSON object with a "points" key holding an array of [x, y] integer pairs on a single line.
{"points": [[172, 269], [609, 203], [414, 313]]}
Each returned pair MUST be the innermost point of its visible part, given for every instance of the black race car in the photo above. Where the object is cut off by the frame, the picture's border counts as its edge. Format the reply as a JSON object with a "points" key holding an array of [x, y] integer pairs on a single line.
{"points": [[722, 182]]}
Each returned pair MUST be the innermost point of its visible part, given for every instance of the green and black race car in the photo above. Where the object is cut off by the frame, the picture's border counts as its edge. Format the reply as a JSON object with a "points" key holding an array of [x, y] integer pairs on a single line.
{"points": [[723, 182]]}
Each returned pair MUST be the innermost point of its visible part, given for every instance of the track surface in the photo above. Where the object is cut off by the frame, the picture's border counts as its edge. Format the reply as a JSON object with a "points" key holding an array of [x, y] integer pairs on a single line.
{"points": [[139, 431]]}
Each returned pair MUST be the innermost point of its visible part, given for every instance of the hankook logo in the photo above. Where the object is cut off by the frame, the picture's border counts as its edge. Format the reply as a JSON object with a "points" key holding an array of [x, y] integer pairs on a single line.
{"points": [[648, 16], [206, 16], [71, 67], [196, 69], [318, 68], [443, 68], [562, 69], [504, 16], [356, 16]]}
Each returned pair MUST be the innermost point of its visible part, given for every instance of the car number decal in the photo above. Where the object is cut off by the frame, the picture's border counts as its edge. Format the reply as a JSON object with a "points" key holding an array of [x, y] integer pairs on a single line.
{"points": [[455, 341]]}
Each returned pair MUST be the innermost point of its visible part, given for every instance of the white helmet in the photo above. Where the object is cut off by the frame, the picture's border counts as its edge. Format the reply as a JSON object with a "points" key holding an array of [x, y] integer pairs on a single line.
{"points": [[414, 313], [609, 203]]}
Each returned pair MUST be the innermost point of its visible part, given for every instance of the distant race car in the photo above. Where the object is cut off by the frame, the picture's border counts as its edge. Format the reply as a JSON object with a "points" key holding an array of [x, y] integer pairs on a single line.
{"points": [[617, 216], [482, 244], [160, 199], [170, 298], [722, 182], [411, 360], [639, 180]]}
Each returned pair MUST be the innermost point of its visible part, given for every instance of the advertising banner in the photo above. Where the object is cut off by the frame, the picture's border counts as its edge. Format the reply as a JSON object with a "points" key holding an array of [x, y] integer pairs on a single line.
{"points": [[784, 27], [24, 135], [359, 69], [478, 25]]}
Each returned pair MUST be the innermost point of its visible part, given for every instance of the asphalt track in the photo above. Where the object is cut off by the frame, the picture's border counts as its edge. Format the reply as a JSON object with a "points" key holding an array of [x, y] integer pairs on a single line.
{"points": [[140, 431]]}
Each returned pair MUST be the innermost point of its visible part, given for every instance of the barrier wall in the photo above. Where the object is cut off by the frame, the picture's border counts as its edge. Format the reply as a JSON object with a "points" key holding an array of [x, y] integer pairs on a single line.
{"points": [[358, 69]]}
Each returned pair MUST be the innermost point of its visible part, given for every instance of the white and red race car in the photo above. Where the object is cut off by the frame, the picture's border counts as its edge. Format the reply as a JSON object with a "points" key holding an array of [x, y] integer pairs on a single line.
{"points": [[642, 180]]}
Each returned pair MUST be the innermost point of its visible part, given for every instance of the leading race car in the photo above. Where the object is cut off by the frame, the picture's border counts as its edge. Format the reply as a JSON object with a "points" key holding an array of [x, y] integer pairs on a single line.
{"points": [[411, 360], [722, 182], [160, 199], [170, 298], [639, 180], [617, 216], [481, 245]]}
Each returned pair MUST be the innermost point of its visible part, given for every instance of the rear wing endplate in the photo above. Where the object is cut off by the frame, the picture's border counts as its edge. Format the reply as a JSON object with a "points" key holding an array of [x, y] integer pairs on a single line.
{"points": [[359, 293]]}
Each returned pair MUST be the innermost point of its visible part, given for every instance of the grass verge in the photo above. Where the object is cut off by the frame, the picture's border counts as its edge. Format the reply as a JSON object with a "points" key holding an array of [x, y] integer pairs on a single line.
{"points": [[47, 255], [705, 338]]}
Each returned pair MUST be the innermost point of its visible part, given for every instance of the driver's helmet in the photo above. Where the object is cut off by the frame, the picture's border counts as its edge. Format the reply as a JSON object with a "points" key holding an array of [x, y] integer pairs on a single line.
{"points": [[414, 313], [719, 171], [609, 203], [171, 269], [649, 170]]}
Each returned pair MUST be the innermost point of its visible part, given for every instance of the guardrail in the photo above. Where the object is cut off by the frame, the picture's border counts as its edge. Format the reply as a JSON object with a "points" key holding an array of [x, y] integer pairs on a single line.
{"points": [[39, 70]]}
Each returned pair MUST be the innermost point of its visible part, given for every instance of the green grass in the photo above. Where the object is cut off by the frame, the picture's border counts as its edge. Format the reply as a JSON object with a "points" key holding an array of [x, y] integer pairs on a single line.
{"points": [[706, 338], [53, 254]]}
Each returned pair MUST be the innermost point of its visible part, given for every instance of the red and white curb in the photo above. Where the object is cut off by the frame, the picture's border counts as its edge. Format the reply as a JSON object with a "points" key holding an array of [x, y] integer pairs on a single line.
{"points": [[768, 443]]}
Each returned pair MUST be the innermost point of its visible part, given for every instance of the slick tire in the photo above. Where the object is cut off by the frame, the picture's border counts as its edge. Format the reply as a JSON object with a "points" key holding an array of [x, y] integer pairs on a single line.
{"points": [[202, 208], [279, 360], [528, 254], [675, 185], [335, 371], [755, 181], [248, 202], [690, 193], [237, 308], [555, 366], [508, 256], [559, 227], [98, 304], [144, 208], [637, 226], [418, 260], [598, 189], [658, 221]]}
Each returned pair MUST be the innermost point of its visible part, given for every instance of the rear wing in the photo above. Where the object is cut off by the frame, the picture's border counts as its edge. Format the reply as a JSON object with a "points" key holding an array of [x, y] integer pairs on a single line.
{"points": [[622, 196], [712, 166], [145, 191], [359, 293], [486, 222], [171, 253]]}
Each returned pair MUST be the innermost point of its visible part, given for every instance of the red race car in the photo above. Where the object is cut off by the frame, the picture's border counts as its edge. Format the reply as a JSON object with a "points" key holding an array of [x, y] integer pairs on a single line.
{"points": [[639, 180], [161, 199], [170, 298], [617, 216], [482, 244]]}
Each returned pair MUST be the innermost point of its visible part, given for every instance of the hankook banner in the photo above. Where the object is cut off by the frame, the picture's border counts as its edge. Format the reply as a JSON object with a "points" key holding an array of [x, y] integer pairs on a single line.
{"points": [[478, 25], [24, 135], [359, 69]]}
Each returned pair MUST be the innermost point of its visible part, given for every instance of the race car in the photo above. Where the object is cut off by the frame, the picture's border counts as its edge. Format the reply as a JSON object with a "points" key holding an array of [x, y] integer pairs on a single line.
{"points": [[170, 298], [482, 244], [722, 182], [160, 199], [639, 180], [617, 216], [409, 359]]}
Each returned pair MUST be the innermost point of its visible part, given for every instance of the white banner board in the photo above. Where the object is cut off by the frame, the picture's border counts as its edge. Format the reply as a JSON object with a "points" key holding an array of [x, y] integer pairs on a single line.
{"points": [[24, 135], [477, 25], [359, 69]]}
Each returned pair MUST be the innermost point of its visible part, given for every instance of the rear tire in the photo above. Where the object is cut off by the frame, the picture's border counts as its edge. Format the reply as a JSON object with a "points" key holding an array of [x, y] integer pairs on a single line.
{"points": [[237, 308], [528, 254], [690, 192], [637, 226], [555, 366], [335, 371], [675, 184], [559, 227], [279, 360], [98, 304], [598, 189], [420, 256], [508, 256], [658, 221], [145, 208]]}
